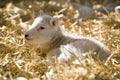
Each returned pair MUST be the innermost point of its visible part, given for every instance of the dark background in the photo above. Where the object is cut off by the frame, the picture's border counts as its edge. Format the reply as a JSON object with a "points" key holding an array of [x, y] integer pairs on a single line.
{"points": [[87, 2]]}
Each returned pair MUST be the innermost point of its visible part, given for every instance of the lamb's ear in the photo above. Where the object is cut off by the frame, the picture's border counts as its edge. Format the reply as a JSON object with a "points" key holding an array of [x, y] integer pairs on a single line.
{"points": [[55, 21], [41, 12]]}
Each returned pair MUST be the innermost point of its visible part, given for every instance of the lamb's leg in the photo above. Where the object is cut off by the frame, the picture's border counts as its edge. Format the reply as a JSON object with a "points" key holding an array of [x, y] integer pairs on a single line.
{"points": [[52, 55]]}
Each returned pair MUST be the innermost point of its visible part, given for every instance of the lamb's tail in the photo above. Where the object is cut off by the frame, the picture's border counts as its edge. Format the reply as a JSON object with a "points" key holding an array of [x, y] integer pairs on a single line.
{"points": [[103, 55]]}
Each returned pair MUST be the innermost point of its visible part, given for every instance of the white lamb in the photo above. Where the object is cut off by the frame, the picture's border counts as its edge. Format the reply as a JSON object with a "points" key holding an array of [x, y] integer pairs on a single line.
{"points": [[46, 32]]}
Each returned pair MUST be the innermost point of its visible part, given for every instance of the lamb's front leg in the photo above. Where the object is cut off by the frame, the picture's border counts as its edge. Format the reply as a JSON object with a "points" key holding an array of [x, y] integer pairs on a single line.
{"points": [[69, 53], [52, 55], [63, 54]]}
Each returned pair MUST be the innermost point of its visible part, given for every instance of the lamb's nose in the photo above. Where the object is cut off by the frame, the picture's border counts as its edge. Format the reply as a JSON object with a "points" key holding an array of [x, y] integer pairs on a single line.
{"points": [[26, 35]]}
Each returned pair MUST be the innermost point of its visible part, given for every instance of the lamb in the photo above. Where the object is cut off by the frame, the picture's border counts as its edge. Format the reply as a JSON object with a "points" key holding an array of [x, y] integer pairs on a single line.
{"points": [[47, 33], [84, 10]]}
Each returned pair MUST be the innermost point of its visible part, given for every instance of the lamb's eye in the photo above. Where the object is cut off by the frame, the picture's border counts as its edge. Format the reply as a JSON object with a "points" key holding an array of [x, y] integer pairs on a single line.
{"points": [[41, 28]]}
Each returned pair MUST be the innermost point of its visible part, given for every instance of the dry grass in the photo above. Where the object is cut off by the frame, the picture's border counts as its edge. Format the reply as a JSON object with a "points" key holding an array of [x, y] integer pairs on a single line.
{"points": [[21, 61]]}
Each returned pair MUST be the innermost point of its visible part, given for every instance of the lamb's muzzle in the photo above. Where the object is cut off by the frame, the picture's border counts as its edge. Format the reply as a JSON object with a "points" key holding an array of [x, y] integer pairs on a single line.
{"points": [[26, 35]]}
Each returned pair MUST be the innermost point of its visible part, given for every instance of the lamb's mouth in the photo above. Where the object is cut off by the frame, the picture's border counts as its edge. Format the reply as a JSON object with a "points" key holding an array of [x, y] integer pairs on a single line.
{"points": [[29, 39]]}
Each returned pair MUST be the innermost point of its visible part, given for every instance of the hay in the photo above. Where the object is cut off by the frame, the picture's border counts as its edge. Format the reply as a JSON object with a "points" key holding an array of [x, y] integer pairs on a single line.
{"points": [[21, 61]]}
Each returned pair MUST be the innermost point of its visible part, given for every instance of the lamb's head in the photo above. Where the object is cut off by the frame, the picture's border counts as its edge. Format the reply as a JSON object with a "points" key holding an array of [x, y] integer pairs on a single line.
{"points": [[42, 29]]}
